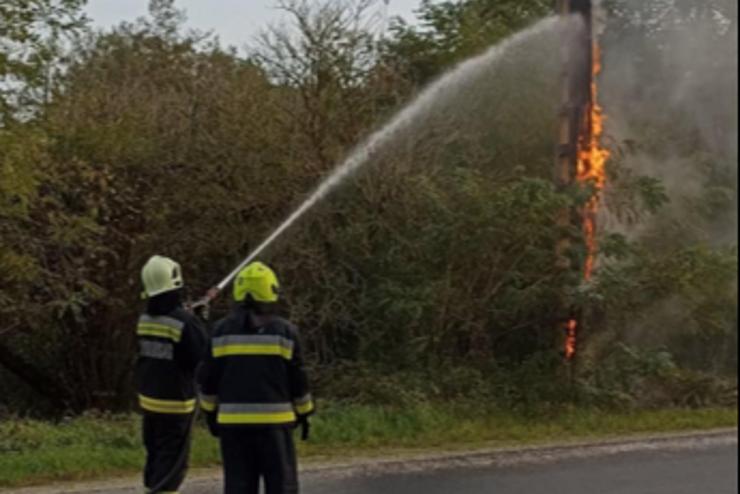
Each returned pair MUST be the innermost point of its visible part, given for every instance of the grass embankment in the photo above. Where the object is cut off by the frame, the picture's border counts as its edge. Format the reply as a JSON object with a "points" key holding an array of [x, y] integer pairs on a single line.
{"points": [[34, 452]]}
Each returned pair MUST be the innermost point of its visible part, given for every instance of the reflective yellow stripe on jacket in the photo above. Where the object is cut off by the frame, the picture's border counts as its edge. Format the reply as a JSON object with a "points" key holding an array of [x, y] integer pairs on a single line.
{"points": [[166, 406], [160, 327], [224, 346], [256, 413]]}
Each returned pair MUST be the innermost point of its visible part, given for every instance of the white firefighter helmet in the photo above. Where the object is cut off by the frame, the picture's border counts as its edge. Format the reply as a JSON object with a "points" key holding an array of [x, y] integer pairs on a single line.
{"points": [[161, 274]]}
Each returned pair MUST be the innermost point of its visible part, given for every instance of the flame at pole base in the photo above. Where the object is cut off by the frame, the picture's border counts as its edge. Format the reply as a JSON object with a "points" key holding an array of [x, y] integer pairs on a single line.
{"points": [[570, 339]]}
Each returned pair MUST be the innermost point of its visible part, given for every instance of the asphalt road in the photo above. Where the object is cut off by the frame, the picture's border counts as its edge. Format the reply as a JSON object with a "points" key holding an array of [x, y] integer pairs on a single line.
{"points": [[692, 463], [704, 471]]}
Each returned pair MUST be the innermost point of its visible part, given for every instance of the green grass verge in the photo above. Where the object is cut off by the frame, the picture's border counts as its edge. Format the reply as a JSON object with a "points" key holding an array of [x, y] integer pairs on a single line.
{"points": [[33, 452]]}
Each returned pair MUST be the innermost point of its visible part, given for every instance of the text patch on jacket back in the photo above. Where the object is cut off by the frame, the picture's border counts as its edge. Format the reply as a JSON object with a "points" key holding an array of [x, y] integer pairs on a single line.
{"points": [[156, 349]]}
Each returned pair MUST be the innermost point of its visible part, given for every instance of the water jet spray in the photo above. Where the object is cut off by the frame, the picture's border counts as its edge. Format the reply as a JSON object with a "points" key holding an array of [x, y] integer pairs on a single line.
{"points": [[445, 86]]}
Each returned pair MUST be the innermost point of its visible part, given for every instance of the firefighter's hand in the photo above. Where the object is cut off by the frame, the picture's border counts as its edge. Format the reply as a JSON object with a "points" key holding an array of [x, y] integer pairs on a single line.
{"points": [[305, 426], [203, 311], [212, 424]]}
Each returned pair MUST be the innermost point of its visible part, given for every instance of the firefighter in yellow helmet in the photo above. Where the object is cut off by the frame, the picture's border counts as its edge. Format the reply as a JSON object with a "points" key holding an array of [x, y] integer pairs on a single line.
{"points": [[171, 344], [254, 388]]}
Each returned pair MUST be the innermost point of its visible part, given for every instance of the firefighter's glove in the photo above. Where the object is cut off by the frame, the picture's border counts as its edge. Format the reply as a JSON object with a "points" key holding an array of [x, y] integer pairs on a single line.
{"points": [[203, 311], [213, 427], [305, 426]]}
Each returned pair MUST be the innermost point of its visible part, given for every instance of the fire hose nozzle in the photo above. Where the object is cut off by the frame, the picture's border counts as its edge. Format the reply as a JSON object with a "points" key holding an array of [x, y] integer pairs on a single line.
{"points": [[201, 307], [204, 301]]}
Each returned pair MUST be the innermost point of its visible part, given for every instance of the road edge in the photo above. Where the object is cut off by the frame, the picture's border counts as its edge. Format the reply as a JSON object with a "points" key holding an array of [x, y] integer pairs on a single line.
{"points": [[435, 460], [536, 453]]}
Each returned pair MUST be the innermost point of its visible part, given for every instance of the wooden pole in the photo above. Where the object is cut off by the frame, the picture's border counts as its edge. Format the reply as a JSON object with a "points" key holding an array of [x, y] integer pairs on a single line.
{"points": [[574, 127]]}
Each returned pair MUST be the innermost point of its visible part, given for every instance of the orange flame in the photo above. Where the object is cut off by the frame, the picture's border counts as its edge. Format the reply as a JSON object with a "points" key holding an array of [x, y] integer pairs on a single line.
{"points": [[570, 339], [591, 168]]}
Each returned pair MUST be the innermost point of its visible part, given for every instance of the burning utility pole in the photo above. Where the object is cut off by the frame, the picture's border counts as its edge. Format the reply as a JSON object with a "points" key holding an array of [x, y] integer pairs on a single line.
{"points": [[580, 158]]}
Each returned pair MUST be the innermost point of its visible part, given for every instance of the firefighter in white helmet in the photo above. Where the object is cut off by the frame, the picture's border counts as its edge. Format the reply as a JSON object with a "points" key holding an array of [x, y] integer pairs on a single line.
{"points": [[171, 345]]}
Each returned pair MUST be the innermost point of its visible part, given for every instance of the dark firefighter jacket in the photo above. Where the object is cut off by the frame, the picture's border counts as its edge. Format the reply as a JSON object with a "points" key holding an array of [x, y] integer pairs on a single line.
{"points": [[170, 348], [253, 372]]}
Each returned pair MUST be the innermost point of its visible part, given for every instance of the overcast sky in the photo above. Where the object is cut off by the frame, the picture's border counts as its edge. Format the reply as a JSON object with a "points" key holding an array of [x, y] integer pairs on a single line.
{"points": [[234, 21]]}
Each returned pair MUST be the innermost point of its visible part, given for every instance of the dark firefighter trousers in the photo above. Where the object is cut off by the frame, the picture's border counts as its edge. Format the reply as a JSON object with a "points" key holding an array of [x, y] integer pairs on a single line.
{"points": [[251, 453], [167, 442]]}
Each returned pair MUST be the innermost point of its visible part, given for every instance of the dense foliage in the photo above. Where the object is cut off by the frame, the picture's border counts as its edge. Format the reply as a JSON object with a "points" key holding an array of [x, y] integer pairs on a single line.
{"points": [[431, 274]]}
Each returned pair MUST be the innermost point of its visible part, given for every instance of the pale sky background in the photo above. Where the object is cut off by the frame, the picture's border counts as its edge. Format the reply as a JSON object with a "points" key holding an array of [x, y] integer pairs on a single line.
{"points": [[236, 22]]}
